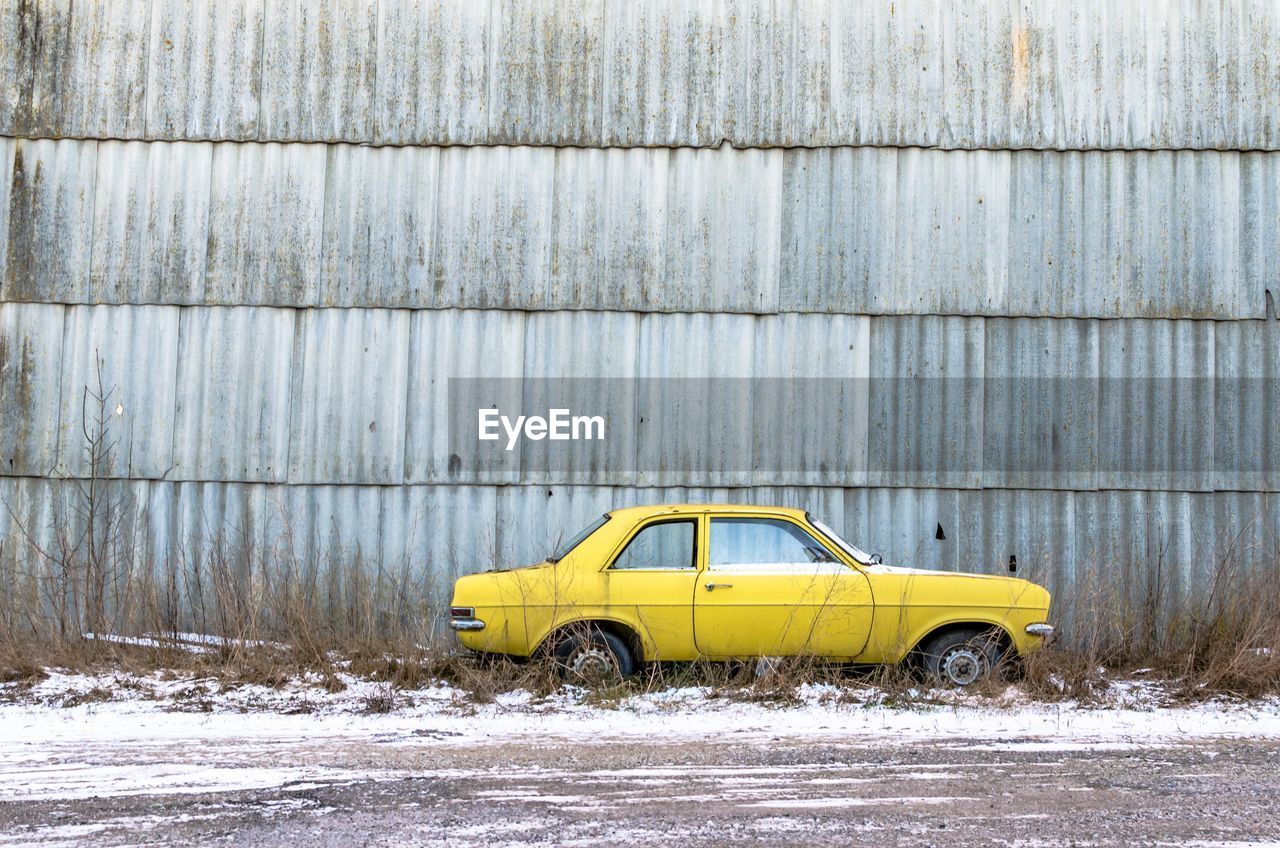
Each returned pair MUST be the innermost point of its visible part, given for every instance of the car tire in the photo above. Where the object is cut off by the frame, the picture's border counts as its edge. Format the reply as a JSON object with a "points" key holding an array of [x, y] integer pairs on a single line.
{"points": [[961, 658], [592, 656]]}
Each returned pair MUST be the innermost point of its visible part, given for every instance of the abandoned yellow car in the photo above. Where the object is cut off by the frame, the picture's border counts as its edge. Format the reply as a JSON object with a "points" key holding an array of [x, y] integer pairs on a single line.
{"points": [[686, 582]]}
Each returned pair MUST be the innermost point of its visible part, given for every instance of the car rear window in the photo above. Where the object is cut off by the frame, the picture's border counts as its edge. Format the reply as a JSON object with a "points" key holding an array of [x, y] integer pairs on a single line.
{"points": [[563, 550]]}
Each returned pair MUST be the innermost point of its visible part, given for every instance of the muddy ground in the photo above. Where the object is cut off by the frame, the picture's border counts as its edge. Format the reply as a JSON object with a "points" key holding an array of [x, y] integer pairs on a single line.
{"points": [[424, 789]]}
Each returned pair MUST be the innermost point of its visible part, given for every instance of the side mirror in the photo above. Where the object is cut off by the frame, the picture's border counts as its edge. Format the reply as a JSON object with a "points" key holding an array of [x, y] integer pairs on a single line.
{"points": [[876, 559]]}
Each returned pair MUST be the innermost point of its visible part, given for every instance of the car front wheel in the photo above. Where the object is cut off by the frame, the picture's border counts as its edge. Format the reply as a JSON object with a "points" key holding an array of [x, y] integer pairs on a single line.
{"points": [[591, 656], [961, 658]]}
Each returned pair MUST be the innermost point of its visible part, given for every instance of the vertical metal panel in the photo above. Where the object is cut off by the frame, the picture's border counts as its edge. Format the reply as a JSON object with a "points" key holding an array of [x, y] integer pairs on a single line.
{"points": [[1247, 538], [493, 219], [75, 69], [723, 227], [1067, 249], [532, 521], [902, 526], [1245, 403], [137, 349], [1184, 240], [150, 222], [347, 406], [30, 377], [1040, 409], [379, 217], [435, 534], [1260, 245], [545, 72], [50, 197], [674, 348], [1037, 527], [926, 396], [204, 75], [893, 231], [432, 75], [331, 540], [885, 62], [660, 72], [809, 410], [775, 75], [8, 147], [318, 64], [233, 380], [459, 344], [584, 362], [265, 218], [1156, 412]]}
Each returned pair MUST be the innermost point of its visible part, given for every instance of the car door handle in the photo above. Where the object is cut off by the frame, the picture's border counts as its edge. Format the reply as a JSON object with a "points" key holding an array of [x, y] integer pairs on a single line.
{"points": [[713, 586]]}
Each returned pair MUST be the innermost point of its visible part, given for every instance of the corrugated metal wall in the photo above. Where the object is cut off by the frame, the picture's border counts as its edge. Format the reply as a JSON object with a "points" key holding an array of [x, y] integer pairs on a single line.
{"points": [[280, 228]]}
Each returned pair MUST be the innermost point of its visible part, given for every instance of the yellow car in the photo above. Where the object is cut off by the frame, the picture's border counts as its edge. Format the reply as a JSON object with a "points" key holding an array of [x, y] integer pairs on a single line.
{"points": [[686, 582]]}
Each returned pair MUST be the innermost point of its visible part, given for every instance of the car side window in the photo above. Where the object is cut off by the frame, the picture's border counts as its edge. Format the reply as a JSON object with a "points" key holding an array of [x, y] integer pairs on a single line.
{"points": [[666, 545], [763, 543]]}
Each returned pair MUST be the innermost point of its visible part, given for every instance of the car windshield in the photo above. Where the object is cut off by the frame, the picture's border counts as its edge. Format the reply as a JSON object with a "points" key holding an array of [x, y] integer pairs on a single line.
{"points": [[857, 553], [563, 550]]}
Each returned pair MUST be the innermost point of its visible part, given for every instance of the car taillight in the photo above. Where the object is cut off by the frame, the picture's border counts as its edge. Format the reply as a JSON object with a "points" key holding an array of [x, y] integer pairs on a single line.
{"points": [[462, 612]]}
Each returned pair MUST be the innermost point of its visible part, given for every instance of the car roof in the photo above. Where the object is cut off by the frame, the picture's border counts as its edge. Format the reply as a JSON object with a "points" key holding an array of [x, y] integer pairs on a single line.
{"points": [[636, 512]]}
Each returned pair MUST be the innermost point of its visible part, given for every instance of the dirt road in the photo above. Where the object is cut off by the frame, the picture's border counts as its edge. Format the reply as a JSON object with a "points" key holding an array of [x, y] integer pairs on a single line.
{"points": [[425, 789]]}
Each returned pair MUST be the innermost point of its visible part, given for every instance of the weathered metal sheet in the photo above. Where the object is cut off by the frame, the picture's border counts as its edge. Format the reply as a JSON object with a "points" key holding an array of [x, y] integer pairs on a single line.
{"points": [[723, 235], [584, 362], [8, 147], [318, 63], [129, 357], [810, 400], [1156, 405], [30, 378], [234, 375], [349, 395], [1102, 74], [681, 355], [432, 75], [1040, 405], [546, 72], [434, 534], [74, 69], [492, 223], [379, 219], [1246, 441], [774, 86], [265, 222], [150, 223], [462, 345], [1247, 537], [50, 220], [903, 526], [661, 73], [204, 74], [866, 231], [926, 401]]}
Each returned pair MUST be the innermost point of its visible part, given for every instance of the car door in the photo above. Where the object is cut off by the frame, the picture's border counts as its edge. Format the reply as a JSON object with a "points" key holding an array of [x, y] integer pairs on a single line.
{"points": [[651, 579], [770, 588]]}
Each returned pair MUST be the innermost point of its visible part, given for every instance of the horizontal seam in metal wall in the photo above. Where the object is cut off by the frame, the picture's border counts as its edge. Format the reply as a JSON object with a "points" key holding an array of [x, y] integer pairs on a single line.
{"points": [[635, 488], [561, 145]]}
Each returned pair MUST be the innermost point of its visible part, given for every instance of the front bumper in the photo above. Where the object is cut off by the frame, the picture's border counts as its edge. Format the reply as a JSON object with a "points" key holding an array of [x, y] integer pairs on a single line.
{"points": [[466, 624], [1041, 629]]}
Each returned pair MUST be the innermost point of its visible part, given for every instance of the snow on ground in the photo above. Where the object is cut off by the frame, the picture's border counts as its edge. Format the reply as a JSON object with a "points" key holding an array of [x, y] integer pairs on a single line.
{"points": [[57, 737]]}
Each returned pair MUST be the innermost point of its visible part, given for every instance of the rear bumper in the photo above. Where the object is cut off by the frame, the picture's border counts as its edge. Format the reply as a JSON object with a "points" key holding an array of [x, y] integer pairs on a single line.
{"points": [[466, 624]]}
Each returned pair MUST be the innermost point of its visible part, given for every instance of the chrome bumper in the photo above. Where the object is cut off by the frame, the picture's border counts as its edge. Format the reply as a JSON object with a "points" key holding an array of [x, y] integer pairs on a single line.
{"points": [[1043, 630], [466, 624]]}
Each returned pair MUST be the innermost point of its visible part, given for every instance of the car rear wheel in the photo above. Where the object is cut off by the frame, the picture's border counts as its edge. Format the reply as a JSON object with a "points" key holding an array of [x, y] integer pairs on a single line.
{"points": [[592, 657], [961, 658]]}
